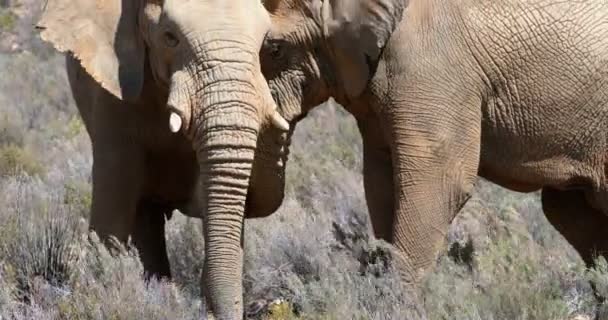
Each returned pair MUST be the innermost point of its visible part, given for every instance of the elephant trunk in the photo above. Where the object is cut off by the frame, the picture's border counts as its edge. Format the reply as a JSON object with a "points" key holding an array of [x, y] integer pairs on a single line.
{"points": [[224, 123], [225, 154]]}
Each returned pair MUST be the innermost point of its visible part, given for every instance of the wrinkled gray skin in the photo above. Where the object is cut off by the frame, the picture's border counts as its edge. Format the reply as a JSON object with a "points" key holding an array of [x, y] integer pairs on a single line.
{"points": [[512, 90], [133, 66]]}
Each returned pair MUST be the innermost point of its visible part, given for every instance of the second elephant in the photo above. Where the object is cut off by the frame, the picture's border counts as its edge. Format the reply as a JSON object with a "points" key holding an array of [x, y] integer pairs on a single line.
{"points": [[515, 91]]}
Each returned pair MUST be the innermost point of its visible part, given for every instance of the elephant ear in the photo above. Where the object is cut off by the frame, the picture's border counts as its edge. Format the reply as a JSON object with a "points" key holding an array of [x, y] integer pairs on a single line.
{"points": [[103, 36], [357, 31]]}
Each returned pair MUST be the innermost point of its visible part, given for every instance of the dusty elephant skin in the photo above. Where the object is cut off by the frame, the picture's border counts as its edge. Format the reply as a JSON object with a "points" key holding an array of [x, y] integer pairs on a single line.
{"points": [[446, 91], [172, 97]]}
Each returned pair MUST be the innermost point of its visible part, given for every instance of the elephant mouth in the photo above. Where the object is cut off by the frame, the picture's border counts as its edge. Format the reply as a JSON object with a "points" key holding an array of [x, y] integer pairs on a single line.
{"points": [[249, 208], [277, 154], [284, 151], [253, 210]]}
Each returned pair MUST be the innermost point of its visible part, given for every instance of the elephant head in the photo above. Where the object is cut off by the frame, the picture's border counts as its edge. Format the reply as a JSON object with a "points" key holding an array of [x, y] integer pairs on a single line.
{"points": [[316, 49], [205, 55]]}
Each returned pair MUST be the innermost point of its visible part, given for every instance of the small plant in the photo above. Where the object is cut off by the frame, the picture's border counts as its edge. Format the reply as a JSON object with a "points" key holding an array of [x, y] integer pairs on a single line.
{"points": [[11, 133], [78, 196], [7, 288], [74, 128], [598, 276], [37, 242], [14, 160], [7, 20], [280, 310]]}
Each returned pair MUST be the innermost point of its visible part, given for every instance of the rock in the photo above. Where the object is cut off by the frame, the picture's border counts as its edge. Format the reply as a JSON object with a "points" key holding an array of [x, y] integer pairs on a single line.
{"points": [[256, 308]]}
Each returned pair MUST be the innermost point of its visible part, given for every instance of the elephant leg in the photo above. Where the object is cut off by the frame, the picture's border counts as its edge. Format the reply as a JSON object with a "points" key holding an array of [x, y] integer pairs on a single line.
{"points": [[378, 178], [426, 202], [435, 153], [149, 238], [117, 180], [584, 227]]}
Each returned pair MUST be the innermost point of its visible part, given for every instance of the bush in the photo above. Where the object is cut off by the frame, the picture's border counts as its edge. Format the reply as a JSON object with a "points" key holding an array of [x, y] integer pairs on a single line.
{"points": [[7, 20], [15, 160], [510, 275], [186, 250], [598, 276], [48, 260]]}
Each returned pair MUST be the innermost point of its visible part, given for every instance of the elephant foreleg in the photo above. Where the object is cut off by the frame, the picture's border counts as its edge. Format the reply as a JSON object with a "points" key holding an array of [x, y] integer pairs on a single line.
{"points": [[117, 180], [584, 227], [149, 238], [378, 178], [435, 151]]}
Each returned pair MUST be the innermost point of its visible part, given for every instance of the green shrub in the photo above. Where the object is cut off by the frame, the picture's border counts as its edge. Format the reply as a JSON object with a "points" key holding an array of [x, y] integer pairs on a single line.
{"points": [[74, 128], [186, 250], [7, 20], [280, 310], [14, 160], [51, 268], [7, 289], [41, 249], [598, 276], [108, 285], [77, 195], [11, 133], [510, 275]]}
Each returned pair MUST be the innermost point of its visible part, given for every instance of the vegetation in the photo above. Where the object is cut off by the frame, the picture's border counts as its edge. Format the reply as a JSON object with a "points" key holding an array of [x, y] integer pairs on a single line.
{"points": [[314, 259], [7, 20]]}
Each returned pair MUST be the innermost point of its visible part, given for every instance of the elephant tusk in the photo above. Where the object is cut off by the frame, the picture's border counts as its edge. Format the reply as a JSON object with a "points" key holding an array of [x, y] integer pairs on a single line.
{"points": [[175, 122], [279, 122]]}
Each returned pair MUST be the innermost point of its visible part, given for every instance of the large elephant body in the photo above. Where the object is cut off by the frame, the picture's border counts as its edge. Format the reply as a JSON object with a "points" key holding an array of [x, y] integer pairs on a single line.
{"points": [[141, 170], [172, 97], [515, 91]]}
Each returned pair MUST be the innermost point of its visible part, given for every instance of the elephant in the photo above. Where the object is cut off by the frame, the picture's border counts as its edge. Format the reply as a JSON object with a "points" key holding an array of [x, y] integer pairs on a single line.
{"points": [[164, 88], [445, 92]]}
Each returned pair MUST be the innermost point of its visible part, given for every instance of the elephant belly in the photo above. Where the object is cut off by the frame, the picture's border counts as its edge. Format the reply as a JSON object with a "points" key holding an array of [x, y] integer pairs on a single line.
{"points": [[545, 92], [504, 180], [545, 150], [522, 174]]}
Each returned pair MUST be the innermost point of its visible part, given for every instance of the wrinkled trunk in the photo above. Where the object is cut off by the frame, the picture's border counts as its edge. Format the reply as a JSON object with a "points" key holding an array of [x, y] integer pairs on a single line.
{"points": [[225, 156], [224, 130]]}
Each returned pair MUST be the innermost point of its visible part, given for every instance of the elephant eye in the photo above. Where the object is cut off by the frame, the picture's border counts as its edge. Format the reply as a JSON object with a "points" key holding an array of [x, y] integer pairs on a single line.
{"points": [[171, 39], [276, 51]]}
